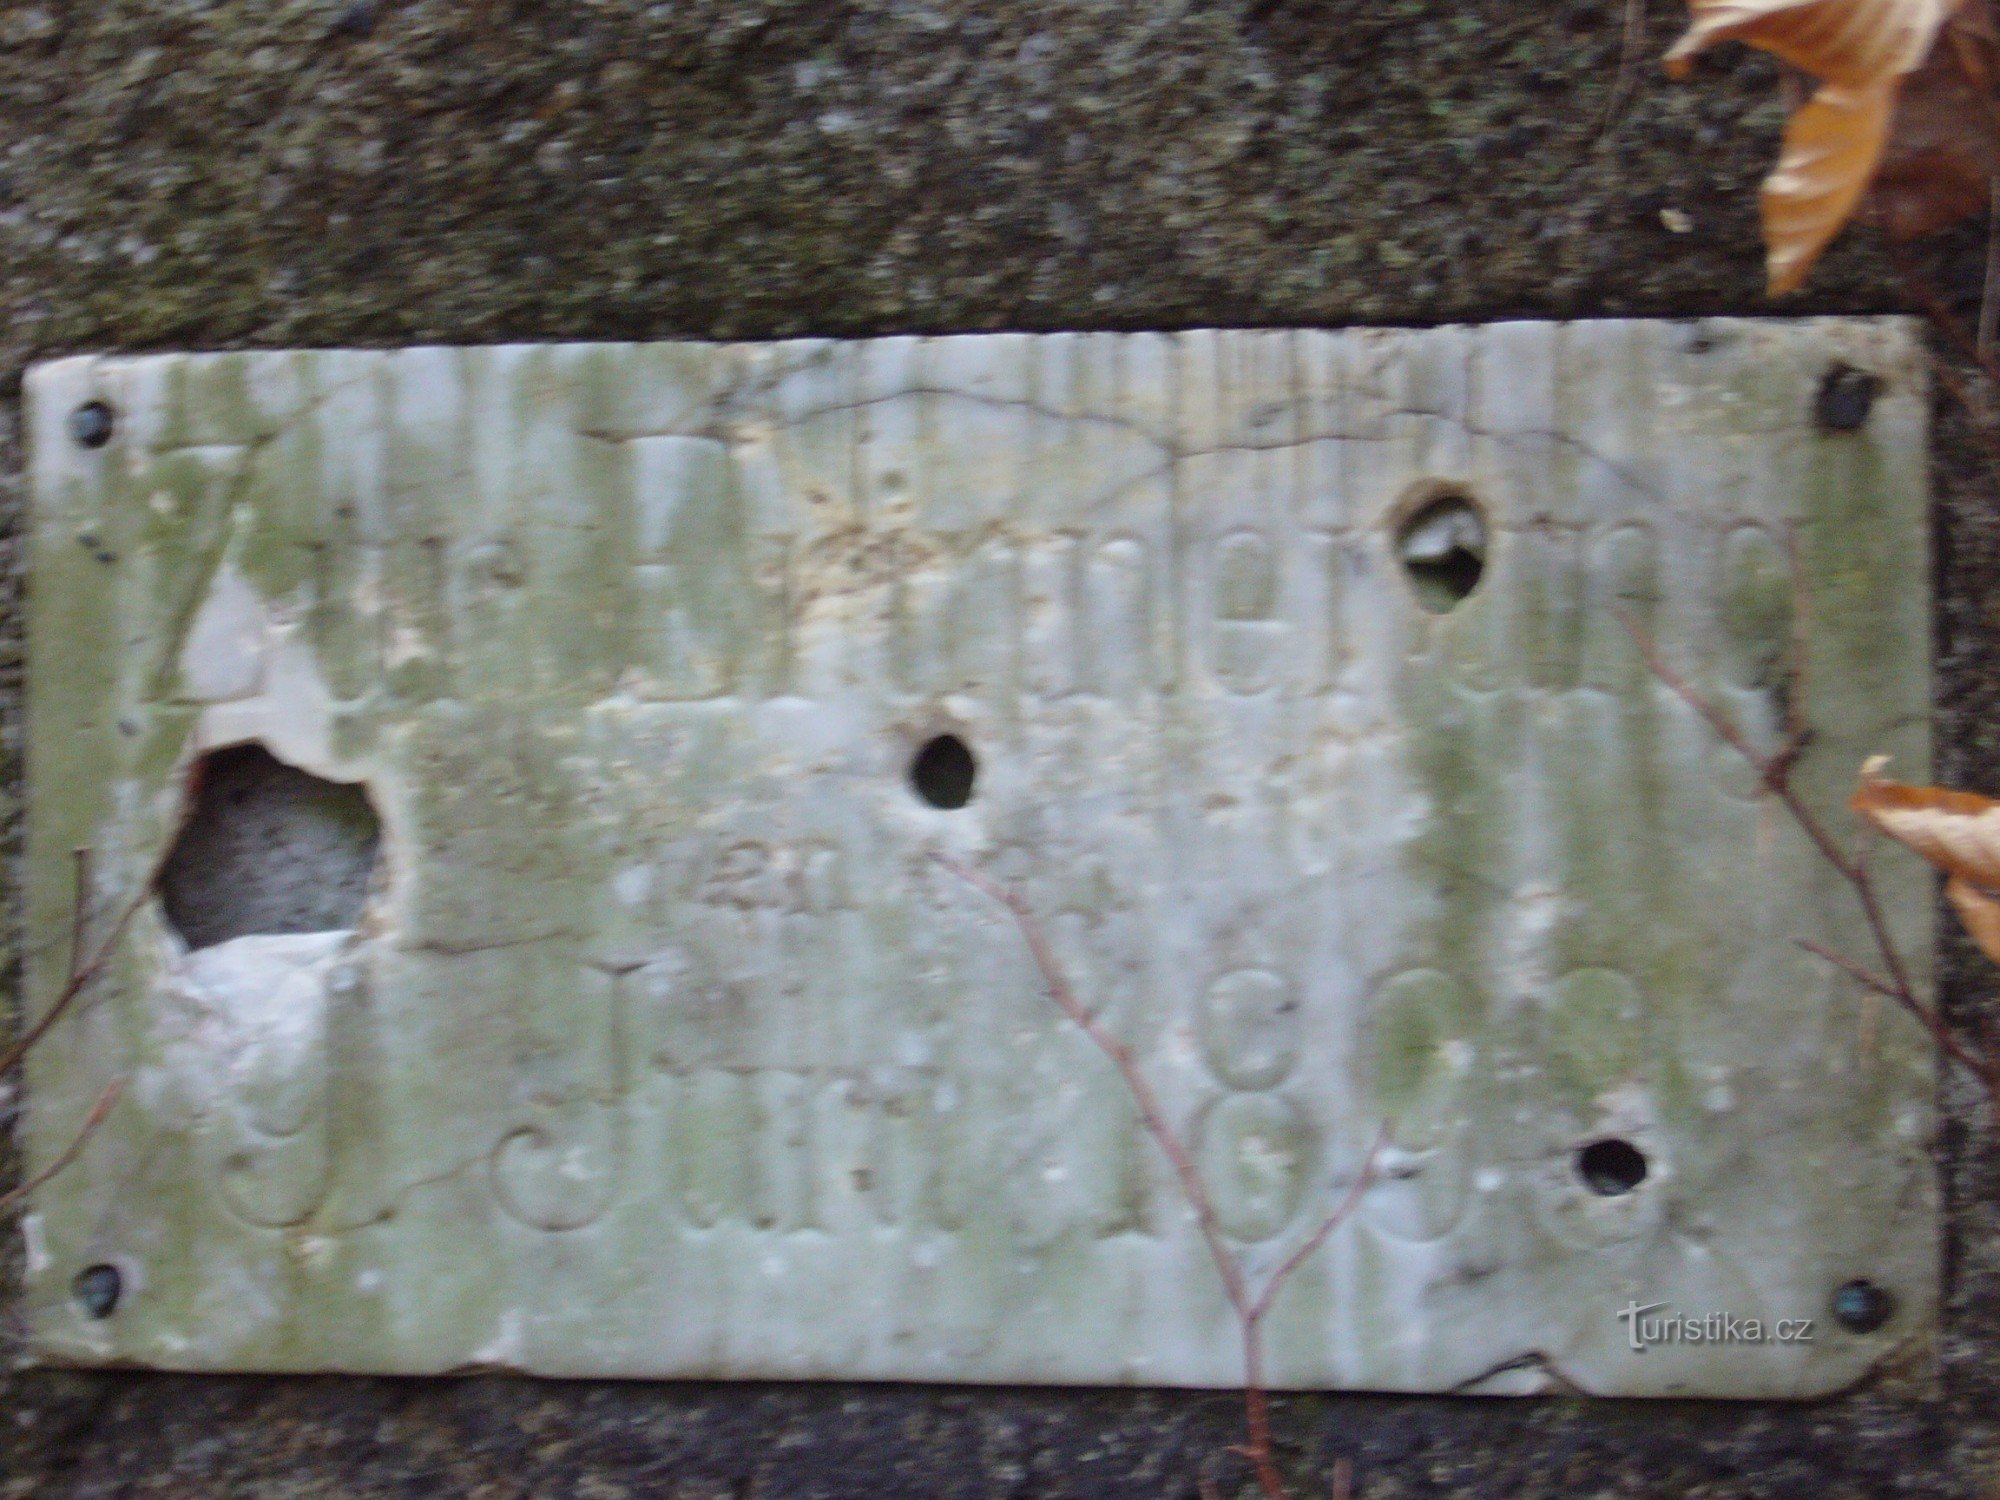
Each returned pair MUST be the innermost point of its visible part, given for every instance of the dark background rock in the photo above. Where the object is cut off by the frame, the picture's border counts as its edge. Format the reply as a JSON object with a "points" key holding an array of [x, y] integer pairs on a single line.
{"points": [[209, 173]]}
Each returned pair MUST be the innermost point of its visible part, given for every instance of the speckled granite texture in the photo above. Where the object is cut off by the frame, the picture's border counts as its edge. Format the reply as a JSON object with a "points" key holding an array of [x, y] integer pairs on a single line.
{"points": [[288, 172]]}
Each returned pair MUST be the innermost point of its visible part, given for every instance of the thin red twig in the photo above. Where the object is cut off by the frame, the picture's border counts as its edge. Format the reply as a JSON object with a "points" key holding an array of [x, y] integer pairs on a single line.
{"points": [[83, 972], [85, 964], [79, 912], [1255, 1405], [1941, 314], [1973, 415], [1250, 1310], [1341, 1211], [1150, 1111], [1970, 345], [1774, 772], [1989, 296], [1799, 689], [1629, 44], [1979, 348], [98, 1112], [1934, 1024]]}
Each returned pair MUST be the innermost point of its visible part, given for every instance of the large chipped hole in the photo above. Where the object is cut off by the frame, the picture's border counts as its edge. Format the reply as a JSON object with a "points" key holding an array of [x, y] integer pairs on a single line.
{"points": [[268, 848], [1442, 544]]}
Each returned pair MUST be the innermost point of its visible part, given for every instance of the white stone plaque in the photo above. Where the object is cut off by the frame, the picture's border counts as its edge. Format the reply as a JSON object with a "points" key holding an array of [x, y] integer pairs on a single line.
{"points": [[1282, 673]]}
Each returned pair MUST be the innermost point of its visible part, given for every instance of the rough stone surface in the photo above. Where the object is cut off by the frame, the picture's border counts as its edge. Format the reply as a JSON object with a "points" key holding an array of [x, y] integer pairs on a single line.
{"points": [[179, 174]]}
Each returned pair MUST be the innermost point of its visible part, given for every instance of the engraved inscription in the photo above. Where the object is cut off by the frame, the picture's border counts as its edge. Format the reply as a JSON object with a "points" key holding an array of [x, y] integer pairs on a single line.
{"points": [[665, 1046]]}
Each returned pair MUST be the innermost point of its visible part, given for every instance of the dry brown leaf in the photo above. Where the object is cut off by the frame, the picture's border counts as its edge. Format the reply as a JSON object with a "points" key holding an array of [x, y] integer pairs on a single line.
{"points": [[1832, 146], [1959, 832], [1979, 912], [1853, 43], [1944, 148], [1860, 50]]}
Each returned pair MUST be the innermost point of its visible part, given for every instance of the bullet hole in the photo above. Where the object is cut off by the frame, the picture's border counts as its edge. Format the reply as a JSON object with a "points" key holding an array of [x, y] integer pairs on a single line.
{"points": [[1611, 1168], [91, 425], [1846, 396], [943, 772], [98, 1289], [268, 848], [1862, 1307], [1443, 547]]}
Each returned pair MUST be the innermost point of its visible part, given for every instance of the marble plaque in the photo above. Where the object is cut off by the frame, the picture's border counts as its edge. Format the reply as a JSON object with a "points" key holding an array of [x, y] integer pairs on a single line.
{"points": [[1282, 673]]}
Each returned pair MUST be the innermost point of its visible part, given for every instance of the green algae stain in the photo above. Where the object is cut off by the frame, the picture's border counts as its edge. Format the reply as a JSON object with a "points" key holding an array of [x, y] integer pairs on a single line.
{"points": [[1421, 1019], [1593, 1034]]}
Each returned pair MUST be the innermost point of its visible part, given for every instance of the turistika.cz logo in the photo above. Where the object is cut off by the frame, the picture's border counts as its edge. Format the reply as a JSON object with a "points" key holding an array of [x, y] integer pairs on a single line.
{"points": [[1654, 1324]]}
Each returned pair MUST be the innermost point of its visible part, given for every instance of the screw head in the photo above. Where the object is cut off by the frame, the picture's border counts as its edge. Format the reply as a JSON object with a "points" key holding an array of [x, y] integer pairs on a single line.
{"points": [[91, 425], [98, 1289], [1861, 1306]]}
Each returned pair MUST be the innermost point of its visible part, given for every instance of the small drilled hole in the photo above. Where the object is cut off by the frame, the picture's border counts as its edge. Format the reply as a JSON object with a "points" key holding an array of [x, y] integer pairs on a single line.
{"points": [[1611, 1168], [1862, 1306], [92, 424], [1443, 548], [1846, 397], [943, 772], [98, 1289]]}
